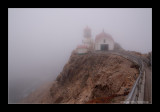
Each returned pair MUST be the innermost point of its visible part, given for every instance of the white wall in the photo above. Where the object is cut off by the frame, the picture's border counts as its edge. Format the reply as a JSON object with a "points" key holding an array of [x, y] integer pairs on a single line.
{"points": [[107, 41], [87, 41]]}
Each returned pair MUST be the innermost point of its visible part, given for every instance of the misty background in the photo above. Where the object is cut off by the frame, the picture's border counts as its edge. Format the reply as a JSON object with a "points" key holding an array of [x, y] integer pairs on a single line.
{"points": [[40, 41]]}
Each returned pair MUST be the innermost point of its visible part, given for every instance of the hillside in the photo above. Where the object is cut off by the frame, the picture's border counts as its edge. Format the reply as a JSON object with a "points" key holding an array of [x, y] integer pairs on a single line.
{"points": [[90, 78]]}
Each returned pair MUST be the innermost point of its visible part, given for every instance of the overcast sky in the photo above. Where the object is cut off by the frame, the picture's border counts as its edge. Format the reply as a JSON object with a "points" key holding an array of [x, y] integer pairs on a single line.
{"points": [[41, 40]]}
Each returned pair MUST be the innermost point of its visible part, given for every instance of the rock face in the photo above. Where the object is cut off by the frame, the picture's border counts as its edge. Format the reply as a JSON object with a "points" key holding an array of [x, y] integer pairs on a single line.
{"points": [[92, 76]]}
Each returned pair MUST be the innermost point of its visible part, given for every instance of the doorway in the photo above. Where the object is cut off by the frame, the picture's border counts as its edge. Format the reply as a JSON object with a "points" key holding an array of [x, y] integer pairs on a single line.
{"points": [[104, 47]]}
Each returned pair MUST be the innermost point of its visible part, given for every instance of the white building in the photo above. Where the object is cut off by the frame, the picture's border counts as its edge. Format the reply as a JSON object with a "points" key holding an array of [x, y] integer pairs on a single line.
{"points": [[81, 49], [104, 41]]}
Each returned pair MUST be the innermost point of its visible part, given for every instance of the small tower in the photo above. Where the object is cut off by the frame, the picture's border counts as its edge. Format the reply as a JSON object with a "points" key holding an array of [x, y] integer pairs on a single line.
{"points": [[87, 32], [87, 41]]}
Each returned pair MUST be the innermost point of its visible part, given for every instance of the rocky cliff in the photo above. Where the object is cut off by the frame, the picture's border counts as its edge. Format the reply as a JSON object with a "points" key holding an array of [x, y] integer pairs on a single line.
{"points": [[89, 78], [92, 78]]}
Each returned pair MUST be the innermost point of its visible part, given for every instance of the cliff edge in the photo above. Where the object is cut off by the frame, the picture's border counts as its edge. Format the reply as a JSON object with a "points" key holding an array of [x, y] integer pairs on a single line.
{"points": [[92, 78]]}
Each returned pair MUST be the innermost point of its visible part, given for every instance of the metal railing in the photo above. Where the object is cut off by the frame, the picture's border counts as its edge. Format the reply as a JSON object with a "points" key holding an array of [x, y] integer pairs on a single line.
{"points": [[136, 90], [136, 95]]}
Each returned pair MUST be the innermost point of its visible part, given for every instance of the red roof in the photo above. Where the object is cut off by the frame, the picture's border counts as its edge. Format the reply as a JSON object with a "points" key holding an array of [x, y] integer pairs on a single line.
{"points": [[103, 34], [82, 46]]}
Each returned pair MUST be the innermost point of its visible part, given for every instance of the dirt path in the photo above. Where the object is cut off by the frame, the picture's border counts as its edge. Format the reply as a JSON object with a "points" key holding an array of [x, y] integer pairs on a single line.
{"points": [[148, 85]]}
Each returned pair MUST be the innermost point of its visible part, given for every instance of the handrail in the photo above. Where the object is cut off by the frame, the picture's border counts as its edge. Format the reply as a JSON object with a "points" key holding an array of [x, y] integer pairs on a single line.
{"points": [[131, 95]]}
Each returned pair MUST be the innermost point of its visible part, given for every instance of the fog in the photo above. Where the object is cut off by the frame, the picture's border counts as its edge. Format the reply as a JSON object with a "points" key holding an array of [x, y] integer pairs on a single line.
{"points": [[40, 41]]}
